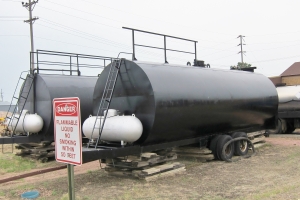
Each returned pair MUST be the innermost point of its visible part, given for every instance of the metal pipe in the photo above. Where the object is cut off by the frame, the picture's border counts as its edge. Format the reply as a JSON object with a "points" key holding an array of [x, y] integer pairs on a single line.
{"points": [[195, 51], [163, 49], [37, 62], [165, 52], [78, 73], [133, 46], [71, 182], [159, 34], [70, 65]]}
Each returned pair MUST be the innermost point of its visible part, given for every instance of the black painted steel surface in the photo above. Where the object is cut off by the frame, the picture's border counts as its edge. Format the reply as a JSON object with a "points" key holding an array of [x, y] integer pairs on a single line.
{"points": [[178, 102], [48, 87]]}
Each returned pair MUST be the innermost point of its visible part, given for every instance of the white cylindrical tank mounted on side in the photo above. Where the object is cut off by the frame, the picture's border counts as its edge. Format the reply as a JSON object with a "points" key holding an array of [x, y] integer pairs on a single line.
{"points": [[116, 128], [29, 123]]}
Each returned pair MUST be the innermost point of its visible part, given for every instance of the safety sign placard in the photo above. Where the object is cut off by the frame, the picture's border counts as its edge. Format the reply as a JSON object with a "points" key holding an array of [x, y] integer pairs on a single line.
{"points": [[67, 130]]}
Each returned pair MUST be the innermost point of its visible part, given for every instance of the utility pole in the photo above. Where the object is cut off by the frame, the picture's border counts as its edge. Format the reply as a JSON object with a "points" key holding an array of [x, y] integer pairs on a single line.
{"points": [[1, 96], [241, 44], [30, 6]]}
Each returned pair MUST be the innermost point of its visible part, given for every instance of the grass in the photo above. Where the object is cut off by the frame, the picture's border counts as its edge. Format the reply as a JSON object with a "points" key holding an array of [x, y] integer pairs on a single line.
{"points": [[292, 157], [11, 163], [276, 191]]}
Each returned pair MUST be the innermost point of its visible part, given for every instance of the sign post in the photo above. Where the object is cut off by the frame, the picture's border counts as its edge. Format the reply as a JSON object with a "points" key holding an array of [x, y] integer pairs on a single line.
{"points": [[67, 135]]}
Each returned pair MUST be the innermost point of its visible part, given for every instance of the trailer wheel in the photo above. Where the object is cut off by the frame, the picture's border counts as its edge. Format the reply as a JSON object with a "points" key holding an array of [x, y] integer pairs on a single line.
{"points": [[278, 129], [289, 127], [283, 126], [213, 146], [241, 146], [229, 149]]}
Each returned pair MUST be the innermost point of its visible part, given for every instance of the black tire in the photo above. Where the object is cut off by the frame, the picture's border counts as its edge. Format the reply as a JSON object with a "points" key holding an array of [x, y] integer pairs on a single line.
{"points": [[228, 151], [289, 127], [278, 129], [240, 147], [283, 126], [213, 146], [289, 131]]}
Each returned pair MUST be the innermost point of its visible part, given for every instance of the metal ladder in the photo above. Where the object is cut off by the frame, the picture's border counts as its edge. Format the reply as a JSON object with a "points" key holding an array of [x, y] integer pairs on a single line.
{"points": [[21, 101], [107, 96]]}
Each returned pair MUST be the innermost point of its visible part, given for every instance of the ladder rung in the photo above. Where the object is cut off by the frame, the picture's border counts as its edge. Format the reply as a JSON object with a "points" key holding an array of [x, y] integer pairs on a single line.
{"points": [[15, 97], [22, 78]]}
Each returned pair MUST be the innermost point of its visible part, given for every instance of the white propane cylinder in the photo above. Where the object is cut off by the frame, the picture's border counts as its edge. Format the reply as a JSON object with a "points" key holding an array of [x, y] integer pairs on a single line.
{"points": [[111, 112], [31, 123], [116, 128]]}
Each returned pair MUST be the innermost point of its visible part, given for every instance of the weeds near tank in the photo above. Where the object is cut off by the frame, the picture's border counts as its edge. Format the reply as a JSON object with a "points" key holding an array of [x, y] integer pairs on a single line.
{"points": [[276, 191], [26, 187], [12, 163], [9, 162], [54, 192], [66, 197], [292, 158]]}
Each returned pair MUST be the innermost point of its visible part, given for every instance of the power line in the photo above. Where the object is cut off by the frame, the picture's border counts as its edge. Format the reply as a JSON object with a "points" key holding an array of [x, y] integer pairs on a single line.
{"points": [[276, 59], [278, 47], [221, 50], [81, 32], [12, 16], [273, 34], [74, 16], [91, 37], [10, 20], [159, 20], [273, 42], [84, 11], [14, 35]]}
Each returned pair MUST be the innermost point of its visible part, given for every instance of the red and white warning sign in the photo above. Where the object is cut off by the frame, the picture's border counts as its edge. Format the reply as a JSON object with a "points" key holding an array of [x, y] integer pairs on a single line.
{"points": [[67, 130]]}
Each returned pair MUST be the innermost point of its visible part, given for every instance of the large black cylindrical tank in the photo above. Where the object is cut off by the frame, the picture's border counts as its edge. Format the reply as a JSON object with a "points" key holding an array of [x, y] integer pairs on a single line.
{"points": [[47, 87], [178, 102]]}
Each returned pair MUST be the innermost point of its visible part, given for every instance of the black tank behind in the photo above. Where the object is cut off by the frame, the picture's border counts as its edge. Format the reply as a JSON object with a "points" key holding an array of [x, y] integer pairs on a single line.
{"points": [[47, 87]]}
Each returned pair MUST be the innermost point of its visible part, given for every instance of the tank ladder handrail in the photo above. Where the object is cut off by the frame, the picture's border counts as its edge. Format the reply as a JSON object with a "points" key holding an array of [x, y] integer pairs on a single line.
{"points": [[106, 97], [11, 102], [30, 78]]}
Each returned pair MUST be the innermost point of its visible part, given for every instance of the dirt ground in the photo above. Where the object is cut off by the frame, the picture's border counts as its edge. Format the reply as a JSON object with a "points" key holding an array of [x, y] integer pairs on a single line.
{"points": [[273, 173]]}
